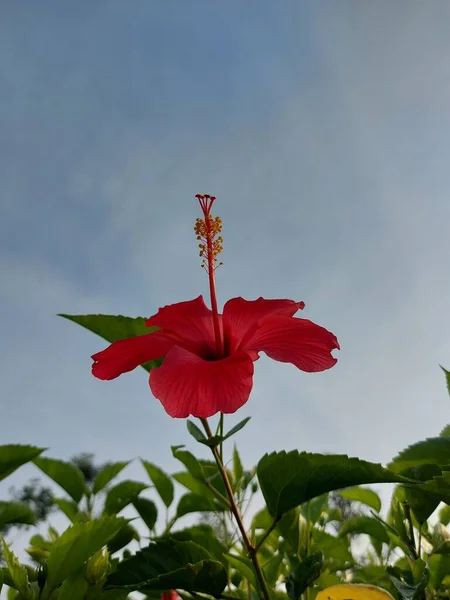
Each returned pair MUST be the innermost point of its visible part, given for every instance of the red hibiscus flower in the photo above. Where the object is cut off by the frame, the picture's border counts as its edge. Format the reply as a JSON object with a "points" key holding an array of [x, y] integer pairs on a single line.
{"points": [[208, 357]]}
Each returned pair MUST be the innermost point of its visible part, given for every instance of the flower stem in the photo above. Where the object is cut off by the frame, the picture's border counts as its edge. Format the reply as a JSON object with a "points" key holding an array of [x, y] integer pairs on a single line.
{"points": [[251, 550]]}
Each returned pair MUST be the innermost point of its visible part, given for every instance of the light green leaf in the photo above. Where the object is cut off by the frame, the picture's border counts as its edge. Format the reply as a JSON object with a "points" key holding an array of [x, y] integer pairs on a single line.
{"points": [[189, 461], [80, 541], [115, 327], [290, 479], [70, 509], [121, 495], [74, 588], [447, 378], [17, 513], [107, 474], [18, 574], [244, 566], [363, 495], [161, 481], [65, 474], [372, 527], [12, 456]]}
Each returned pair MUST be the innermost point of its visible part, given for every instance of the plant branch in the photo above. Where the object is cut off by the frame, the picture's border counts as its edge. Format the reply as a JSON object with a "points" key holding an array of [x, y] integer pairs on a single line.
{"points": [[237, 515], [268, 532]]}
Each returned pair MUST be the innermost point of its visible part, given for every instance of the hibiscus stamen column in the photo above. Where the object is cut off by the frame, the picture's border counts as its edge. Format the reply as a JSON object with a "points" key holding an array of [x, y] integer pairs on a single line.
{"points": [[207, 231]]}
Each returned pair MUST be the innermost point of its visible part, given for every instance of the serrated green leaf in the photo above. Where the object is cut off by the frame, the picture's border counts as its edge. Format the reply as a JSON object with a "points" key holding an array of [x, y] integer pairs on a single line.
{"points": [[147, 511], [12, 456], [122, 494], [363, 495], [107, 474], [447, 378], [290, 479], [304, 575], [170, 564], [113, 328], [422, 504], [204, 536], [16, 513], [65, 474], [161, 481], [407, 590], [195, 431], [122, 538], [80, 541], [430, 451], [18, 574]]}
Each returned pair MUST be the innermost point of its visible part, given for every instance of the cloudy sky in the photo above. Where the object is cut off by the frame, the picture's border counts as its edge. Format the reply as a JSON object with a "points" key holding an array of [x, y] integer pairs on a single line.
{"points": [[323, 128]]}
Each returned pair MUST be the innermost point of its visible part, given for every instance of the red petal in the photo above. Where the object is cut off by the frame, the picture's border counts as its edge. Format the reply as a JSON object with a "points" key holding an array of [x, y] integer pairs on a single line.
{"points": [[240, 316], [126, 355], [188, 385], [298, 341], [189, 323]]}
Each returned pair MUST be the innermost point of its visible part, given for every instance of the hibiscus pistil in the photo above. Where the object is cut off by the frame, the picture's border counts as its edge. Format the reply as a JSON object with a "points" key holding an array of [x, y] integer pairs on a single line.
{"points": [[208, 232]]}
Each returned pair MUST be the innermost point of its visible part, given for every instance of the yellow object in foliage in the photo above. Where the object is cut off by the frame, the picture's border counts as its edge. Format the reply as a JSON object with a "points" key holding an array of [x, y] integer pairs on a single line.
{"points": [[356, 591]]}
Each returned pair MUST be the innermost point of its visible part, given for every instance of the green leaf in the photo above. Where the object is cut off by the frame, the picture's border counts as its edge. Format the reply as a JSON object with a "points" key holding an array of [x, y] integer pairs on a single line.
{"points": [[122, 538], [122, 494], [372, 527], [312, 509], [189, 461], [244, 566], [70, 509], [410, 590], [147, 511], [447, 378], [105, 475], [169, 564], [430, 451], [422, 504], [115, 327], [331, 546], [74, 588], [195, 431], [161, 481], [304, 575], [290, 479], [17, 513], [204, 536], [18, 574], [12, 456], [65, 474], [363, 495], [190, 503], [444, 515], [238, 470], [445, 432], [80, 541], [236, 428]]}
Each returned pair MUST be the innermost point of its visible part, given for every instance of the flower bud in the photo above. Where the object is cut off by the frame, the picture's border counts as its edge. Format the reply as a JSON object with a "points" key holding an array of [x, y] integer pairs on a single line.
{"points": [[97, 566], [41, 574]]}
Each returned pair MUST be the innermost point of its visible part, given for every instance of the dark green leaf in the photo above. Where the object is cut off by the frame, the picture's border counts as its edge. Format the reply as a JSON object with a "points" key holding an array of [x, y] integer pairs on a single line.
{"points": [[12, 456], [115, 327], [372, 527], [65, 474], [122, 494], [122, 538], [80, 541], [190, 503], [363, 495], [304, 575], [410, 590], [312, 509], [422, 503], [17, 513], [290, 479], [147, 511], [170, 564], [106, 474], [195, 431], [161, 481], [204, 536], [447, 378]]}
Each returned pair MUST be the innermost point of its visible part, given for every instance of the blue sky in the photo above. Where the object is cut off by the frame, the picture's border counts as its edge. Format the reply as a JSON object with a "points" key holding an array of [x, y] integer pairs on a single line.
{"points": [[323, 130]]}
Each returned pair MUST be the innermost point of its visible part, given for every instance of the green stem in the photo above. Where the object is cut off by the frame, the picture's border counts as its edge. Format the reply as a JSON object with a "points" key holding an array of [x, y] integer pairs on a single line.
{"points": [[251, 550], [268, 532]]}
